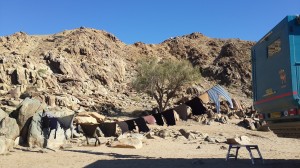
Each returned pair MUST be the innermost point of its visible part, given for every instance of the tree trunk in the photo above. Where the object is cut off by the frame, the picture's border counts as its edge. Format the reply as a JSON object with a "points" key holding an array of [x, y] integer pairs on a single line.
{"points": [[159, 100], [160, 106]]}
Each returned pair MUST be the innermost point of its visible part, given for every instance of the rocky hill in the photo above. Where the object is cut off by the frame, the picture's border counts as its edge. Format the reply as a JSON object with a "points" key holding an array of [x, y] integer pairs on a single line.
{"points": [[88, 69]]}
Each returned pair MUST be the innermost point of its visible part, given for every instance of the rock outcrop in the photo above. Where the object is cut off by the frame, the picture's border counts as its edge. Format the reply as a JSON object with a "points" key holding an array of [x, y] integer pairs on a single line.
{"points": [[24, 113], [5, 145], [38, 137], [88, 68], [90, 71], [9, 128], [9, 131]]}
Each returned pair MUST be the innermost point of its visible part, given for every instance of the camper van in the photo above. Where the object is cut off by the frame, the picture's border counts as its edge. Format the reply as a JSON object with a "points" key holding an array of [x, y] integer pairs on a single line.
{"points": [[276, 77]]}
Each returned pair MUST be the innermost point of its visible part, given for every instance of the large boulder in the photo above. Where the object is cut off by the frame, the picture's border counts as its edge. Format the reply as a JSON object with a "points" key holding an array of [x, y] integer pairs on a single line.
{"points": [[85, 120], [242, 140], [26, 110], [3, 114], [23, 114], [18, 76], [9, 131], [37, 137], [66, 100], [9, 128], [98, 117], [5, 145], [69, 69]]}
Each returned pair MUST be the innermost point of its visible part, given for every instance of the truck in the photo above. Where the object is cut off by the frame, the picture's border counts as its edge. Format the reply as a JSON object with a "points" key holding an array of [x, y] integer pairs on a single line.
{"points": [[276, 77]]}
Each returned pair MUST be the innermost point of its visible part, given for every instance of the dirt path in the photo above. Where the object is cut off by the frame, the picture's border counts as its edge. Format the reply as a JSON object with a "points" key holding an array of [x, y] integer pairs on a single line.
{"points": [[163, 153]]}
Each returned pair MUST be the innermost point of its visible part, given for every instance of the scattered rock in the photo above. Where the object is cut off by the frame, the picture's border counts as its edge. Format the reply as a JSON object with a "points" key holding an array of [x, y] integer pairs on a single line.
{"points": [[252, 127], [163, 133], [150, 135], [180, 138], [66, 146], [127, 143], [221, 140], [242, 140], [138, 136], [223, 147], [184, 132], [204, 135], [187, 134], [210, 139]]}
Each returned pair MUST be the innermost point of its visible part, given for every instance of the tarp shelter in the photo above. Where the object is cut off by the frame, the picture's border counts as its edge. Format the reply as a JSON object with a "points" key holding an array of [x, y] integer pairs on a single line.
{"points": [[214, 94], [196, 105]]}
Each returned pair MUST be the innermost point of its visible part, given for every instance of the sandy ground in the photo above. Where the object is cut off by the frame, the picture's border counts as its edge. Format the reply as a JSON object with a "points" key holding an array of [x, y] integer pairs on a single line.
{"points": [[159, 152]]}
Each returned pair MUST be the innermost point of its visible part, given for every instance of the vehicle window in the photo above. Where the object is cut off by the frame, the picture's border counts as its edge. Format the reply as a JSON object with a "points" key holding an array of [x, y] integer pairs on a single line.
{"points": [[274, 48]]}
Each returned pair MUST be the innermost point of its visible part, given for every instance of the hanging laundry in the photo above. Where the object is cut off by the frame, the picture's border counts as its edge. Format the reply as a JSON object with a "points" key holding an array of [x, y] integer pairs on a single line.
{"points": [[131, 125], [158, 118], [89, 130], [141, 123], [150, 119], [197, 106], [66, 121], [182, 111], [214, 94], [48, 123], [108, 129], [124, 126], [169, 117]]}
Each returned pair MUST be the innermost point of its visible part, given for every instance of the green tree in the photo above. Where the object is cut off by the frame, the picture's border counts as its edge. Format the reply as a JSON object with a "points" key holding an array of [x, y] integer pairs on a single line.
{"points": [[162, 79]]}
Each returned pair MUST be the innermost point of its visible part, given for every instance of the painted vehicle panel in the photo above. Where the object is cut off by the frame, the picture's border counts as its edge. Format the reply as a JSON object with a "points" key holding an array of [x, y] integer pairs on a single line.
{"points": [[276, 71]]}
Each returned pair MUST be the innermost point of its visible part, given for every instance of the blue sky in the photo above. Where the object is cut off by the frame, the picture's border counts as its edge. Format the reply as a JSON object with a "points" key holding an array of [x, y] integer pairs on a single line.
{"points": [[148, 21]]}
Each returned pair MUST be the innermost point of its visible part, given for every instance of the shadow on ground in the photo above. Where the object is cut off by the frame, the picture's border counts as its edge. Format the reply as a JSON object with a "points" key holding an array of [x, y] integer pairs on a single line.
{"points": [[131, 161], [190, 163], [114, 155]]}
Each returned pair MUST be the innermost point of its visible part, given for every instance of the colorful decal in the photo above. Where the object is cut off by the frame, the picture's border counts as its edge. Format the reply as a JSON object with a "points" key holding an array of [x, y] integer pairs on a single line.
{"points": [[275, 115], [282, 76], [269, 92]]}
